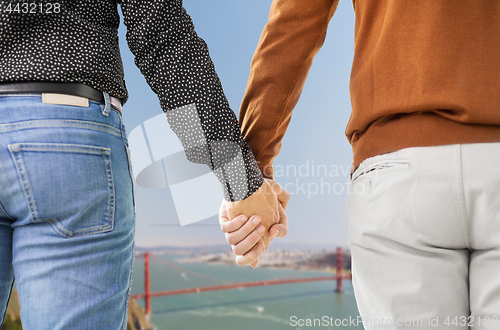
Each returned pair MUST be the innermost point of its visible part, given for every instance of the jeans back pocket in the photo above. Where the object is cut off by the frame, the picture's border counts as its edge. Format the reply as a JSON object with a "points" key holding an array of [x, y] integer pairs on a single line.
{"points": [[381, 166], [69, 185]]}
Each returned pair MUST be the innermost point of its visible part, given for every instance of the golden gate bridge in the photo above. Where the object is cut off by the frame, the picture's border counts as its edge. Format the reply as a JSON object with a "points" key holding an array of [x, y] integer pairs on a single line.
{"points": [[147, 295]]}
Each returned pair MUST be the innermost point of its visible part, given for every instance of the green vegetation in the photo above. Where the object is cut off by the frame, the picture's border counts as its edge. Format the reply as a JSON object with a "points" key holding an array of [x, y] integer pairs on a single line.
{"points": [[12, 324], [136, 318], [12, 320]]}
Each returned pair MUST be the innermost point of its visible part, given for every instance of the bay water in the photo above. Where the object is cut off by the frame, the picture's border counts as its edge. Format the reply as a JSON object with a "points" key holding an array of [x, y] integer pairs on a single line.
{"points": [[312, 305]]}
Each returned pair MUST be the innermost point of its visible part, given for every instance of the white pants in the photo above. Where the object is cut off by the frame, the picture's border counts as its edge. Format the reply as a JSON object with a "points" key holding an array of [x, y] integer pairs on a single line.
{"points": [[424, 232]]}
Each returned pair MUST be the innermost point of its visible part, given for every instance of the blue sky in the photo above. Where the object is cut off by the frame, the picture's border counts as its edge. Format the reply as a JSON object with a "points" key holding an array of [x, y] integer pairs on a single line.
{"points": [[315, 138]]}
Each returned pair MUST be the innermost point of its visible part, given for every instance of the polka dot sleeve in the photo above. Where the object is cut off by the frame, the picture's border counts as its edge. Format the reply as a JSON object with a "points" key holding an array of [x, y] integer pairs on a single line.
{"points": [[178, 68]]}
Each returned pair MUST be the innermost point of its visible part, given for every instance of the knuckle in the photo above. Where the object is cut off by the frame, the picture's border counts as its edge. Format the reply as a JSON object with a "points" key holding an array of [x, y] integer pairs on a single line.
{"points": [[255, 236], [249, 225], [252, 256], [237, 250], [230, 239]]}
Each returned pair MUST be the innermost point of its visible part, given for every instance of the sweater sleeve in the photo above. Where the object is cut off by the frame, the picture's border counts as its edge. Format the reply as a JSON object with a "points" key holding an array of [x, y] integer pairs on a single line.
{"points": [[289, 42], [176, 65]]}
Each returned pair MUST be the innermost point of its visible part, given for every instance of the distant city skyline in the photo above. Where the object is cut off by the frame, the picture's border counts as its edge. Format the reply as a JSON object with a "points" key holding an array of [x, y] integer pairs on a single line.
{"points": [[315, 135]]}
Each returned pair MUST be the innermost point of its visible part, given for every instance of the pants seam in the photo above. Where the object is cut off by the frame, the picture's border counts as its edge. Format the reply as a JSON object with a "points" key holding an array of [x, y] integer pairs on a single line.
{"points": [[2, 209], [7, 304], [129, 160], [125, 320], [462, 208]]}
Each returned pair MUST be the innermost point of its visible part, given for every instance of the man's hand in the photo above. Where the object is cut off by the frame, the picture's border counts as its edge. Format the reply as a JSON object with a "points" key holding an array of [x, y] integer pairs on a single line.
{"points": [[266, 210]]}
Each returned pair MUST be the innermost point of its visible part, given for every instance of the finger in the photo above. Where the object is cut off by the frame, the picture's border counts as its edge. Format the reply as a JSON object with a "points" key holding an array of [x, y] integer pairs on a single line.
{"points": [[255, 264], [246, 244], [275, 213], [223, 217], [277, 230], [281, 229], [280, 192], [237, 236], [283, 197], [251, 256], [273, 202], [226, 225], [234, 225]]}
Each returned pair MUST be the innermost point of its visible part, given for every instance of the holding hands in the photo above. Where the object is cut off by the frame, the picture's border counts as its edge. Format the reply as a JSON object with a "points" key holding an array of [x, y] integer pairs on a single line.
{"points": [[251, 224]]}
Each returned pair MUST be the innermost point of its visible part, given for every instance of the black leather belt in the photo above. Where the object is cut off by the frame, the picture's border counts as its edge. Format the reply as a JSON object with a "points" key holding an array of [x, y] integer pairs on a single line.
{"points": [[75, 89]]}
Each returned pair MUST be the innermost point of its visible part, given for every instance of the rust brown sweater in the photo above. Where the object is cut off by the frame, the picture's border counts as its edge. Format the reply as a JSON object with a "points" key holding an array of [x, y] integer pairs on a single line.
{"points": [[424, 73]]}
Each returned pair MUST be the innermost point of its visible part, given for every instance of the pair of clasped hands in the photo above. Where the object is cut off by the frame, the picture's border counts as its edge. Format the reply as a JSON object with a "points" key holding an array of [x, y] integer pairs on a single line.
{"points": [[251, 224]]}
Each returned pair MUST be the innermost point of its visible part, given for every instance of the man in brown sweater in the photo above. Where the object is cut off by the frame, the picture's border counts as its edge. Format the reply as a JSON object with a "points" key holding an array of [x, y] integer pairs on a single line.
{"points": [[424, 207]]}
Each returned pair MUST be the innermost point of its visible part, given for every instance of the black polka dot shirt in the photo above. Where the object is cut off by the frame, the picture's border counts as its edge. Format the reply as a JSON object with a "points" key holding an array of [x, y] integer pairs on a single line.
{"points": [[77, 41]]}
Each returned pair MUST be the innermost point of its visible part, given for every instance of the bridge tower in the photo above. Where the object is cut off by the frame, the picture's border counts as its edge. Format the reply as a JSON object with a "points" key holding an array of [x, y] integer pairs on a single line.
{"points": [[147, 287], [339, 270]]}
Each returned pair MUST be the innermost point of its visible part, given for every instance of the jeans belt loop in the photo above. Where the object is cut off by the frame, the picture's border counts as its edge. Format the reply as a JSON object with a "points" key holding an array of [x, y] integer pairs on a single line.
{"points": [[107, 104]]}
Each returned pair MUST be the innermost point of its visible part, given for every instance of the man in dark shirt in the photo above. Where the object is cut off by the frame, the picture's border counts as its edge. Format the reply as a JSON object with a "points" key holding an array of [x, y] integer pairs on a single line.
{"points": [[67, 213]]}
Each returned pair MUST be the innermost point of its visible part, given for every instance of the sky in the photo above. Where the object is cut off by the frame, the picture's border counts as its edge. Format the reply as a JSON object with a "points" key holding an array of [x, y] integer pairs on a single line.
{"points": [[314, 163]]}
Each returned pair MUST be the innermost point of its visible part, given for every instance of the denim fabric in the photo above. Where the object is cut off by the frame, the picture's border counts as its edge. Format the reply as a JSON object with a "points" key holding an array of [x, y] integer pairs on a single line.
{"points": [[67, 216]]}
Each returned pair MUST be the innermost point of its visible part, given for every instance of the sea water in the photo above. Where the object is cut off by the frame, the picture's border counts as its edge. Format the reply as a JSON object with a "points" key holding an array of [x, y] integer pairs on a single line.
{"points": [[312, 305]]}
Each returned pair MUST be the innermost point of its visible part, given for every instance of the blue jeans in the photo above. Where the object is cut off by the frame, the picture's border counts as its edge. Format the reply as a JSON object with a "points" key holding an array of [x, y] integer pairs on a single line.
{"points": [[67, 214]]}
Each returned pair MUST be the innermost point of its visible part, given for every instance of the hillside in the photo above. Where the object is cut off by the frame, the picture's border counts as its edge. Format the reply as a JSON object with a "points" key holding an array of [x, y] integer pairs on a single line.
{"points": [[136, 317]]}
